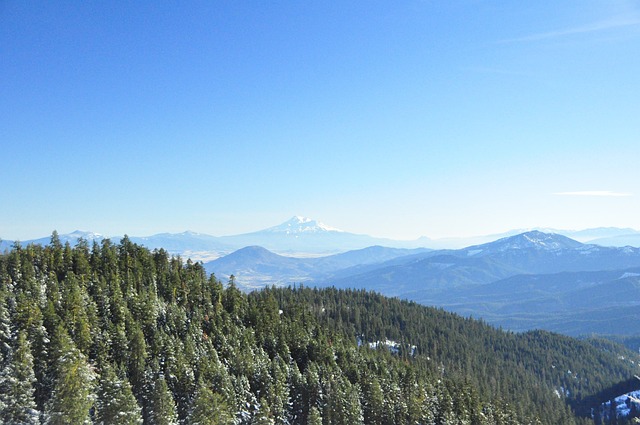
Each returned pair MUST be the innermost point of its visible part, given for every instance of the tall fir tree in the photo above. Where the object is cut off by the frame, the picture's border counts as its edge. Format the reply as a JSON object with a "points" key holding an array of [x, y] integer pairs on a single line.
{"points": [[209, 408], [5, 341], [5, 328], [115, 403], [16, 390], [73, 391], [263, 415], [162, 408], [314, 416]]}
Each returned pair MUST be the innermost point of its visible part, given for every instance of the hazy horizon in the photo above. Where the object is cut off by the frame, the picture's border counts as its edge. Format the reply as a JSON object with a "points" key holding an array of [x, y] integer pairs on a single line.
{"points": [[443, 238]]}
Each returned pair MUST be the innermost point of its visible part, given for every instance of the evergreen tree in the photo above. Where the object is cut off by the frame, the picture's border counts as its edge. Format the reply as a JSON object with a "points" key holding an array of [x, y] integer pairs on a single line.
{"points": [[137, 357], [296, 384], [209, 408], [162, 408], [314, 416], [373, 401], [263, 415], [5, 343], [16, 391], [73, 392], [613, 414], [115, 403], [74, 313], [5, 329], [343, 403]]}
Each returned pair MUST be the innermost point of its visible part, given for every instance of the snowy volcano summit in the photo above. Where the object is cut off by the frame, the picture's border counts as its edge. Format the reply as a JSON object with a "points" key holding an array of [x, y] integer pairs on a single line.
{"points": [[305, 235], [298, 224]]}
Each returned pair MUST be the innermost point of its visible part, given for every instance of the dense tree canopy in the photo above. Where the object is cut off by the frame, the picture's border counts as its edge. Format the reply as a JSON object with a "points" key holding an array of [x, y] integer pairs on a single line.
{"points": [[121, 334]]}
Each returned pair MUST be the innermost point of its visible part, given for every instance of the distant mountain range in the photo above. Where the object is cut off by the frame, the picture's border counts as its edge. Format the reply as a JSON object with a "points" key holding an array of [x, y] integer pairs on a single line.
{"points": [[255, 267], [302, 236], [522, 280], [527, 253], [298, 236], [530, 280], [605, 236], [574, 303], [407, 272]]}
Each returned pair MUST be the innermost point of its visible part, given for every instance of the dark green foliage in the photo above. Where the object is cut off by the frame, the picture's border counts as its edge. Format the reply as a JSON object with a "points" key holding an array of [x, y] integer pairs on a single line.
{"points": [[16, 386], [209, 408], [161, 407], [73, 392], [120, 334], [115, 403]]}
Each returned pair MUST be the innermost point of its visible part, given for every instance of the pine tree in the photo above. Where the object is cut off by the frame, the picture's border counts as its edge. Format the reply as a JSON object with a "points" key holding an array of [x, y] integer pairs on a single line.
{"points": [[17, 392], [296, 383], [5, 329], [263, 415], [74, 312], [73, 394], [373, 401], [115, 403], [5, 342], [137, 357], [314, 416], [162, 408], [209, 408], [343, 405]]}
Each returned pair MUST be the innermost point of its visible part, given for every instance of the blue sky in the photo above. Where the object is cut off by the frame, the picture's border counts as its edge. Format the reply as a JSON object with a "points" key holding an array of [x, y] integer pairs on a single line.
{"points": [[395, 119]]}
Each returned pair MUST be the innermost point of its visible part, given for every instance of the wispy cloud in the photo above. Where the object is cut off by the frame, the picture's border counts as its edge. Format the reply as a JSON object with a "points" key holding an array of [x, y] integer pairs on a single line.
{"points": [[593, 193], [609, 24]]}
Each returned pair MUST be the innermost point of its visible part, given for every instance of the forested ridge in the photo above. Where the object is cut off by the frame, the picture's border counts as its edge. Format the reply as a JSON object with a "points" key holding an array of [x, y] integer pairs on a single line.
{"points": [[119, 334]]}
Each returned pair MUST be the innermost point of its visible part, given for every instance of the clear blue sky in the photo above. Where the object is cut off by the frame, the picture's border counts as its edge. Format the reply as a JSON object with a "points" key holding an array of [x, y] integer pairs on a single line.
{"points": [[395, 119]]}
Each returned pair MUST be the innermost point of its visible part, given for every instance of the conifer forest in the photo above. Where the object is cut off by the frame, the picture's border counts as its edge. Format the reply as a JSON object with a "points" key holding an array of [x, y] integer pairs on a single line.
{"points": [[119, 334]]}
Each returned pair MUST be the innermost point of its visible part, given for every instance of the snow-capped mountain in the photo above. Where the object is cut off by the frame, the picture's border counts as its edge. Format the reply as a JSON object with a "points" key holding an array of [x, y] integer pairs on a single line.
{"points": [[535, 252], [534, 239], [301, 235], [605, 236], [530, 280], [541, 275], [416, 273], [72, 238], [298, 224]]}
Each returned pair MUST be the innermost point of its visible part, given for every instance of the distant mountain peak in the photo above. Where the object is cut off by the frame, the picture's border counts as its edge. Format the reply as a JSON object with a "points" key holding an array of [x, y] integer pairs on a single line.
{"points": [[253, 251], [76, 234], [192, 233], [533, 239], [299, 224], [538, 240]]}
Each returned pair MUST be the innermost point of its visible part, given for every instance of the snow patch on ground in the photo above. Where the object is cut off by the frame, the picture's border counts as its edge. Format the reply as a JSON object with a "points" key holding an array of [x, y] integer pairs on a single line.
{"points": [[393, 346], [624, 405]]}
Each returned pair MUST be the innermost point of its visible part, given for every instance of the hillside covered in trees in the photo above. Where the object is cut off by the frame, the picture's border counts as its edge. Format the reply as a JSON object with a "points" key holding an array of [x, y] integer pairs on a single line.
{"points": [[121, 334]]}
